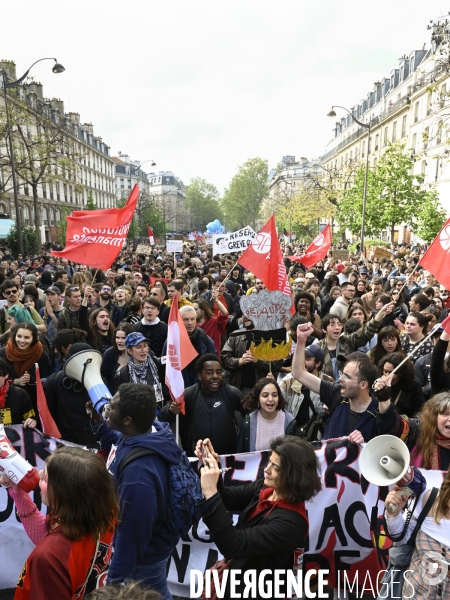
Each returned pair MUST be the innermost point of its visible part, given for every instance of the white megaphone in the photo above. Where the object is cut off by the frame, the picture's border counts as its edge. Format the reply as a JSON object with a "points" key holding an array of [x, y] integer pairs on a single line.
{"points": [[84, 366], [385, 461]]}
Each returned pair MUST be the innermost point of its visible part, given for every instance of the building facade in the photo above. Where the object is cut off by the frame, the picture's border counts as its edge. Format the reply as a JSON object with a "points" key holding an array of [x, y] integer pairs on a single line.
{"points": [[409, 106], [128, 173], [170, 194], [80, 166]]}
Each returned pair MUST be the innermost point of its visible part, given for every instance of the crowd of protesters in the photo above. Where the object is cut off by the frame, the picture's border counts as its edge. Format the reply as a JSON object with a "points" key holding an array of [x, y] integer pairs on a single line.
{"points": [[355, 322]]}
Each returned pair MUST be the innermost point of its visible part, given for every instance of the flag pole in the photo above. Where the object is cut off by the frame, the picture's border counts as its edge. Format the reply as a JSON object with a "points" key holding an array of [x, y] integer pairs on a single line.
{"points": [[230, 271], [177, 429], [431, 332]]}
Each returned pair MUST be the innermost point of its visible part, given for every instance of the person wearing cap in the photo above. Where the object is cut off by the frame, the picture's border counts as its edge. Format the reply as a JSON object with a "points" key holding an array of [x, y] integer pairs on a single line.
{"points": [[32, 279], [51, 311], [369, 298], [142, 366], [350, 402], [302, 403]]}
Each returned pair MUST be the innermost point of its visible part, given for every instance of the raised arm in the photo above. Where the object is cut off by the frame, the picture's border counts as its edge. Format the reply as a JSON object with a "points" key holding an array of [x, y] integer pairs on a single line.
{"points": [[299, 371]]}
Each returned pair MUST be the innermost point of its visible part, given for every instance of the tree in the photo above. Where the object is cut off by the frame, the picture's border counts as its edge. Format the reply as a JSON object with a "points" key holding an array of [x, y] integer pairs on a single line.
{"points": [[394, 195], [61, 226], [149, 213], [44, 149], [30, 238], [202, 204], [431, 218], [243, 199], [305, 207], [91, 204]]}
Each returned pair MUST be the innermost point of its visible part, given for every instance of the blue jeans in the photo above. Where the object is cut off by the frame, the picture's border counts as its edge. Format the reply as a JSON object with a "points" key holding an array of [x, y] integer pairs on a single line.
{"points": [[153, 576]]}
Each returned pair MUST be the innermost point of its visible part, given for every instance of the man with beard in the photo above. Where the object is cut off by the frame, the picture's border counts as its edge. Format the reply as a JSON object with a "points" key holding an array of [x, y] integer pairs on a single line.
{"points": [[350, 402], [244, 369], [105, 298]]}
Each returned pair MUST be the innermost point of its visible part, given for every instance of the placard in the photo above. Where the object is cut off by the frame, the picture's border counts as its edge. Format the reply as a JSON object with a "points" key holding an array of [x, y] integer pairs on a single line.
{"points": [[267, 310], [174, 245]]}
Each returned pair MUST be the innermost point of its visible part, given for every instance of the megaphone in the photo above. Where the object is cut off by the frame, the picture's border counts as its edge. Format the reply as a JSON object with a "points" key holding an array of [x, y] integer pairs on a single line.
{"points": [[385, 461], [84, 366]]}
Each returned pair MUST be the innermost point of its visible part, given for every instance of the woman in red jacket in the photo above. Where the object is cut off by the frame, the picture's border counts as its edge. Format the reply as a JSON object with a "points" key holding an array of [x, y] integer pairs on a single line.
{"points": [[211, 325], [73, 542]]}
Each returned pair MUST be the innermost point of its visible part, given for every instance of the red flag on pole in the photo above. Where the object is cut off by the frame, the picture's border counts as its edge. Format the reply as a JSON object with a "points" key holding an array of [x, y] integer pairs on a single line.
{"points": [[317, 250], [436, 259], [48, 424], [263, 257], [96, 237], [180, 352], [151, 237]]}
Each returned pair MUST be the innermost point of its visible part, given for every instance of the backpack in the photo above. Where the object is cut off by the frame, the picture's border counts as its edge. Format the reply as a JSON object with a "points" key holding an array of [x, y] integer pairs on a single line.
{"points": [[184, 491]]}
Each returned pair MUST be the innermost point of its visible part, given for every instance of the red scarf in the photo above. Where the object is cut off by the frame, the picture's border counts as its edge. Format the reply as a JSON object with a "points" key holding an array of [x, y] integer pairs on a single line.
{"points": [[440, 442], [264, 503], [4, 393]]}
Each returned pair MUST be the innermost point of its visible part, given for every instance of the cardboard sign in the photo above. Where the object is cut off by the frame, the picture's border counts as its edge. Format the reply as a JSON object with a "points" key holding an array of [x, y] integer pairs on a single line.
{"points": [[174, 246], [267, 310]]}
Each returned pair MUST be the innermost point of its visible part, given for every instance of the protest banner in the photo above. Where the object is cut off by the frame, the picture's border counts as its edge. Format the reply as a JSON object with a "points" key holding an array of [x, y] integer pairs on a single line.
{"points": [[224, 243], [174, 246], [340, 538]]}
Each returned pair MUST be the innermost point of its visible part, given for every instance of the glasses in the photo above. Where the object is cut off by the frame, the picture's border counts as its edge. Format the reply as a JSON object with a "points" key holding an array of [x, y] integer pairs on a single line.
{"points": [[106, 289], [335, 324], [9, 292]]}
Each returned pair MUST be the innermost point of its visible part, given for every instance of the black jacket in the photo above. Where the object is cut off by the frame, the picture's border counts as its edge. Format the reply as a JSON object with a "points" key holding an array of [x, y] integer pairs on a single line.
{"points": [[266, 541], [210, 417]]}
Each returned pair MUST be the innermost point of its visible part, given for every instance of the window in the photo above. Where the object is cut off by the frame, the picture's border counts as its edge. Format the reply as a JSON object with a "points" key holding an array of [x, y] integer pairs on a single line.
{"points": [[376, 141], [426, 136], [363, 149], [386, 136], [423, 167], [394, 131], [442, 95], [416, 112], [404, 126], [436, 173], [439, 133], [44, 190], [414, 142], [58, 197], [429, 104]]}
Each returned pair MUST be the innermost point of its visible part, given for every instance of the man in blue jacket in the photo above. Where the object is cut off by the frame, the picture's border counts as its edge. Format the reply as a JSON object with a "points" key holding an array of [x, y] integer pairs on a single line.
{"points": [[143, 542]]}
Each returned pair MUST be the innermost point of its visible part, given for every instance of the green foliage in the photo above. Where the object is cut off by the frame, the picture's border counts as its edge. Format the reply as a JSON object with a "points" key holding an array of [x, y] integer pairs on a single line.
{"points": [[202, 204], [394, 195], [61, 226], [90, 204], [242, 201], [149, 214], [431, 218], [30, 238]]}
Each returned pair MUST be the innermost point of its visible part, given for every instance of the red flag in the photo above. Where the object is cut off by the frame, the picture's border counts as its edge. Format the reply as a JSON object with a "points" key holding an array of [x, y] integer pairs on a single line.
{"points": [[95, 237], [435, 258], [151, 238], [180, 352], [48, 424], [317, 250], [263, 257]]}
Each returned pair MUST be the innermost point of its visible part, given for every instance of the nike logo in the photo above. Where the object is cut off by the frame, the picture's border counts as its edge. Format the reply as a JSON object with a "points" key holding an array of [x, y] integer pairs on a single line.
{"points": [[217, 404]]}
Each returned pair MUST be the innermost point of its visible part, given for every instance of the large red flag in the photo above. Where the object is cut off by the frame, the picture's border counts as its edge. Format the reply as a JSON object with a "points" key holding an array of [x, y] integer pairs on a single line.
{"points": [[96, 237], [436, 259], [317, 250], [180, 352], [263, 257], [48, 424]]}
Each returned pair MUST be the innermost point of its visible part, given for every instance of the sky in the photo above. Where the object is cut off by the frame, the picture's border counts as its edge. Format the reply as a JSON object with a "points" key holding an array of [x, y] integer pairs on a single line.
{"points": [[201, 86]]}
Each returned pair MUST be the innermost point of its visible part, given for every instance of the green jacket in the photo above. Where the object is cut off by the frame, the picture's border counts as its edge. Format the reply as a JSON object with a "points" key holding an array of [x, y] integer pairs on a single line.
{"points": [[348, 344]]}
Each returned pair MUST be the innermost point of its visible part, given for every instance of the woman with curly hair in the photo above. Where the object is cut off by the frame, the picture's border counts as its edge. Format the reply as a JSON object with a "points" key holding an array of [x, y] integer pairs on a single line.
{"points": [[388, 340], [406, 393], [304, 305], [267, 419]]}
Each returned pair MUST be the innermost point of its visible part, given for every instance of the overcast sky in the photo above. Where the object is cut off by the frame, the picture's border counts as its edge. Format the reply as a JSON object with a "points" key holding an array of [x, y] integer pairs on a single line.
{"points": [[200, 86]]}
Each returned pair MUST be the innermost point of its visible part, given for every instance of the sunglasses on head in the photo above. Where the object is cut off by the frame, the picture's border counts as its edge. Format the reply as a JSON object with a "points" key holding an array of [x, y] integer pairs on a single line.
{"points": [[74, 288]]}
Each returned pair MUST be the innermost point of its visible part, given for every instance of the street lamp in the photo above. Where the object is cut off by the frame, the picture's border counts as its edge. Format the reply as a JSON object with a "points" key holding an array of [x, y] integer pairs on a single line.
{"points": [[57, 68], [332, 114]]}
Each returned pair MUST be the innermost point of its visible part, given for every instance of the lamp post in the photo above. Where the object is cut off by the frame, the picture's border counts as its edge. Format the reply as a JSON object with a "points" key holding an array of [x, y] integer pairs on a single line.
{"points": [[332, 113], [57, 68]]}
